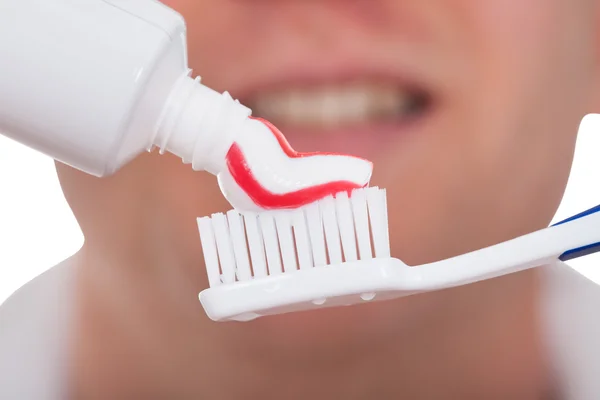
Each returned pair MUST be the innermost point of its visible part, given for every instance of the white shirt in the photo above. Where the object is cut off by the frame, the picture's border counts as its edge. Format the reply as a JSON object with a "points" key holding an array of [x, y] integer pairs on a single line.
{"points": [[34, 334], [34, 329]]}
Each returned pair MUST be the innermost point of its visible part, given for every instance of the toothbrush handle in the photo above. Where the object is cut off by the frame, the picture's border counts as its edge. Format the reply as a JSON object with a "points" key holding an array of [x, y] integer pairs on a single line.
{"points": [[583, 250], [574, 237]]}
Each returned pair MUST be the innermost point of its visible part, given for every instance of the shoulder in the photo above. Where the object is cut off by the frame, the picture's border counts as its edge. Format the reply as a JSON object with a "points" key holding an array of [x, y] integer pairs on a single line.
{"points": [[570, 303], [37, 293], [34, 325]]}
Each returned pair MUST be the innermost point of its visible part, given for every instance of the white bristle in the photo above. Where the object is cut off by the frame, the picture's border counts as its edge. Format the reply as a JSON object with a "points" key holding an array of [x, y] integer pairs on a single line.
{"points": [[255, 245], [286, 241], [240, 248], [346, 226], [378, 218], [224, 247], [267, 225], [331, 231], [316, 234], [386, 227], [361, 223], [209, 248], [303, 248]]}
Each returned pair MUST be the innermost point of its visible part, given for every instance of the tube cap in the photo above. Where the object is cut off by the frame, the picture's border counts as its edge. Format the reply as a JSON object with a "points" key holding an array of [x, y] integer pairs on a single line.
{"points": [[200, 124]]}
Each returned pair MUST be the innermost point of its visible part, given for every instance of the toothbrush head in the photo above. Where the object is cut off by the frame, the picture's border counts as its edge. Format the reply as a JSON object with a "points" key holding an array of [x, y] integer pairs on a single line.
{"points": [[332, 252], [336, 251]]}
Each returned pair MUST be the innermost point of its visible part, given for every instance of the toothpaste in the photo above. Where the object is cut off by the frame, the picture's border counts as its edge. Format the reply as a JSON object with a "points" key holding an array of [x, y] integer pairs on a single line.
{"points": [[263, 172]]}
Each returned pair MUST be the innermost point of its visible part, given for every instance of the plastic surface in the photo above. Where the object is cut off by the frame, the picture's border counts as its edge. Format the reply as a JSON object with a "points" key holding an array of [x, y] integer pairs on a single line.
{"points": [[584, 250], [94, 83], [239, 296], [199, 125], [70, 78]]}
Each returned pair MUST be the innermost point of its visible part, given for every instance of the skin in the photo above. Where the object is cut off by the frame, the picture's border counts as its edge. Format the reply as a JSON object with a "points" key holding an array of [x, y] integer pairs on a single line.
{"points": [[511, 82]]}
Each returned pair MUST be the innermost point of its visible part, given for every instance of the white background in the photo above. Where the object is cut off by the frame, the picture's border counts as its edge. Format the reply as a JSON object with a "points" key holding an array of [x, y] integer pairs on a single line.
{"points": [[37, 229]]}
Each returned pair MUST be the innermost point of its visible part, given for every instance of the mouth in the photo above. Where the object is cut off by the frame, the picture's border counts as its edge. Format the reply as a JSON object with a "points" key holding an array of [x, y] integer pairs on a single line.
{"points": [[339, 106], [348, 116]]}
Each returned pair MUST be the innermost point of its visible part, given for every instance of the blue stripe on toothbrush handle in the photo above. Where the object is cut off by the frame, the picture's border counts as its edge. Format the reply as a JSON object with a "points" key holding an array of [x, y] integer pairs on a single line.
{"points": [[584, 250], [580, 252], [580, 215]]}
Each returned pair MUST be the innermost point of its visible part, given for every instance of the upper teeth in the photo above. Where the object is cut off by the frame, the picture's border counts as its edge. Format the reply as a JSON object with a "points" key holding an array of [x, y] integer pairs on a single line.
{"points": [[332, 106]]}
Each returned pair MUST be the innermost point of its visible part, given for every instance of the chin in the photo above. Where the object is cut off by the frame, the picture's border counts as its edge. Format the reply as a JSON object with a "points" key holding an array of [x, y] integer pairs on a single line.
{"points": [[337, 328]]}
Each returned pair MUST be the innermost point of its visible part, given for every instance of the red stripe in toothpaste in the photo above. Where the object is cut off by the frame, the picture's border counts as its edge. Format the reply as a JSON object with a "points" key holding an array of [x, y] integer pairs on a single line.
{"points": [[262, 197]]}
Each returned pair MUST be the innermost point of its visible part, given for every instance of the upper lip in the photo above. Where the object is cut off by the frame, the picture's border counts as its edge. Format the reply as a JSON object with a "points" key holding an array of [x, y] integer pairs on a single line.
{"points": [[333, 71]]}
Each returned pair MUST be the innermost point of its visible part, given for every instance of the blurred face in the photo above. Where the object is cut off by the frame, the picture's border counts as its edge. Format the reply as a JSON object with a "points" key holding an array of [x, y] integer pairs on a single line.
{"points": [[468, 109]]}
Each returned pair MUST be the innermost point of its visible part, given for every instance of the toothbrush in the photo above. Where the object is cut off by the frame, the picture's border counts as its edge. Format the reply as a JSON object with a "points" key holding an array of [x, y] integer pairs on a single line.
{"points": [[336, 252]]}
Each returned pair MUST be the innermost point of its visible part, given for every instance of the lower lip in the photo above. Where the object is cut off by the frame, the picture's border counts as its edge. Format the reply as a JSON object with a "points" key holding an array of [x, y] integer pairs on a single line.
{"points": [[367, 141]]}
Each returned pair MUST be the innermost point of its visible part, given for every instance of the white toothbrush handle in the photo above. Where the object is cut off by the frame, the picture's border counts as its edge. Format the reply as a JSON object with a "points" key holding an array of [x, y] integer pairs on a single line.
{"points": [[574, 237]]}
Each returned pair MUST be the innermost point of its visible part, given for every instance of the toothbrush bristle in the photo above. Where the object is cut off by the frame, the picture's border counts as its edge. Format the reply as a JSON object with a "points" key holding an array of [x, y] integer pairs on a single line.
{"points": [[332, 231], [256, 245], [243, 246], [346, 226], [269, 231], [378, 217], [240, 248]]}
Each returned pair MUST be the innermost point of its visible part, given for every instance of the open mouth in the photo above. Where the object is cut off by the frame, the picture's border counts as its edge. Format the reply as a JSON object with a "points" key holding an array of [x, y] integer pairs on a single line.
{"points": [[341, 106]]}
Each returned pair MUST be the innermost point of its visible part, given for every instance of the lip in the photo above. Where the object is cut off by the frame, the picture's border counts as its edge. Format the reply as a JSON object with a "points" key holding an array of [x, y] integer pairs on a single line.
{"points": [[289, 74], [367, 141]]}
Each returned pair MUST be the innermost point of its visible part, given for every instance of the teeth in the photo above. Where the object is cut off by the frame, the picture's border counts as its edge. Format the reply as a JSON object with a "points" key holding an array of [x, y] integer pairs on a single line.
{"points": [[333, 106]]}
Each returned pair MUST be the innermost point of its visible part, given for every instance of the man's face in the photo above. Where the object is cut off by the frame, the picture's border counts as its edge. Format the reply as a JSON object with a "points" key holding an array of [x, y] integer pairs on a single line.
{"points": [[468, 108], [469, 111]]}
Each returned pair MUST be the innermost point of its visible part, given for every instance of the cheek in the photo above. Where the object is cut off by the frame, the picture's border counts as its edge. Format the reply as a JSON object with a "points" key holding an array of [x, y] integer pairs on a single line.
{"points": [[521, 111], [495, 164]]}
